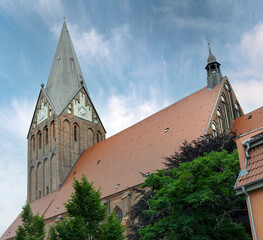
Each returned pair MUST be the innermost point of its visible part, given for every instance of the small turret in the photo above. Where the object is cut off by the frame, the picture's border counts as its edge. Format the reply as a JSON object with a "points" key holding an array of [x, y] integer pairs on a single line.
{"points": [[214, 75]]}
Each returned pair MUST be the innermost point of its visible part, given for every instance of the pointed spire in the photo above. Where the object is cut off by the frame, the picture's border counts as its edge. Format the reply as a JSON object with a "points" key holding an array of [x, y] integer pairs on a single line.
{"points": [[65, 76], [211, 58]]}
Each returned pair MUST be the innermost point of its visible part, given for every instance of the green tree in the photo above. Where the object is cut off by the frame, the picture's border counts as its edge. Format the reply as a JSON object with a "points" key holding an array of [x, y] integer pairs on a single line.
{"points": [[197, 200], [33, 227], [85, 216]]}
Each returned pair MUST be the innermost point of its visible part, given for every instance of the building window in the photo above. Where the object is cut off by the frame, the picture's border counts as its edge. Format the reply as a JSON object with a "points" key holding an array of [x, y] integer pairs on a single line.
{"points": [[220, 123], [53, 129], [237, 109], [118, 213], [98, 137], [75, 133], [39, 194], [39, 140], [46, 137], [47, 190], [214, 130], [223, 99], [33, 143], [229, 99]]}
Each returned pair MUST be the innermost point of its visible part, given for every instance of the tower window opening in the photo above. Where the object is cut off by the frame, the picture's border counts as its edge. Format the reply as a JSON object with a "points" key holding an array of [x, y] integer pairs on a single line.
{"points": [[53, 128], [46, 132], [47, 191], [39, 194], [34, 143], [39, 140], [75, 133]]}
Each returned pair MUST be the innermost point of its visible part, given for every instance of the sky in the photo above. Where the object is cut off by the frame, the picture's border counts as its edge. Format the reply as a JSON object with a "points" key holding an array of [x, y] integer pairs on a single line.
{"points": [[136, 56]]}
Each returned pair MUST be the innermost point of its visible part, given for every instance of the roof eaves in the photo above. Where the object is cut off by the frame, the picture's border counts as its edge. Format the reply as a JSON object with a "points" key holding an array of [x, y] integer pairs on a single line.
{"points": [[250, 186]]}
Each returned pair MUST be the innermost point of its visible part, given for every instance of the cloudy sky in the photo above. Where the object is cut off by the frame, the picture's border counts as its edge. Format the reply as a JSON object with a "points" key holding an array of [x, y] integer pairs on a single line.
{"points": [[136, 56]]}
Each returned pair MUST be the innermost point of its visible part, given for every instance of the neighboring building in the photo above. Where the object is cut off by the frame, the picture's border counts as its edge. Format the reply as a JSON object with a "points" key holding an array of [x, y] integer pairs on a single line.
{"points": [[250, 180], [67, 139]]}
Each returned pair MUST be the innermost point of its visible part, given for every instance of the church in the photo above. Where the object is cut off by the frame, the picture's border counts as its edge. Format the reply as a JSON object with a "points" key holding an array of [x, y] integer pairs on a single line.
{"points": [[67, 139]]}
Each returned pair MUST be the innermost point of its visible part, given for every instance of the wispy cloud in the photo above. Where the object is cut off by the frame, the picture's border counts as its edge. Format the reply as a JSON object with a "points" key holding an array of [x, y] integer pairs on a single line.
{"points": [[14, 121], [247, 75]]}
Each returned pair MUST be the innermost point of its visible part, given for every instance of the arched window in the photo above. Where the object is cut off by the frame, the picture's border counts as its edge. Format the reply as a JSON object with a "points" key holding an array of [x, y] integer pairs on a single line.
{"points": [[214, 130], [47, 191], [98, 137], [33, 143], [223, 99], [228, 92], [75, 133], [220, 123], [237, 109], [39, 194], [46, 135], [39, 140], [53, 129], [118, 213]]}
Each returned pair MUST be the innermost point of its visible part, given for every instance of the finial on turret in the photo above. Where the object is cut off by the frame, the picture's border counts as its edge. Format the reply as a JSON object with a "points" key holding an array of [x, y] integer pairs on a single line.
{"points": [[211, 58], [42, 85], [64, 19]]}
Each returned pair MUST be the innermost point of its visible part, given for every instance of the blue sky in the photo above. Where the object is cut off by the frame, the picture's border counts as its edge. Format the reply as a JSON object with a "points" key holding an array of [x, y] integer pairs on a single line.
{"points": [[136, 57]]}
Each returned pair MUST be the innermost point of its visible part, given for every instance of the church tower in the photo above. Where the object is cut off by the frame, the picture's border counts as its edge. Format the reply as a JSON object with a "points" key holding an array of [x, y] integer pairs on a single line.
{"points": [[65, 123], [214, 75]]}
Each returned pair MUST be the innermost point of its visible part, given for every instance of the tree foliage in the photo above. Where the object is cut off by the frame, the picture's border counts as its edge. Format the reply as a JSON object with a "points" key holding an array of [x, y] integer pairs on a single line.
{"points": [[198, 199], [85, 215], [142, 215], [33, 227]]}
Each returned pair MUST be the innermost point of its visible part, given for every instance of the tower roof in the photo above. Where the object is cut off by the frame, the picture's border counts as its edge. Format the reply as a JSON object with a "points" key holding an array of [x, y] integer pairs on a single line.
{"points": [[211, 58], [65, 78]]}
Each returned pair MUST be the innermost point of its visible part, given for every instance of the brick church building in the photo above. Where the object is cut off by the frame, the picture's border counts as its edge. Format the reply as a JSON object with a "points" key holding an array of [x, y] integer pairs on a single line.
{"points": [[66, 137]]}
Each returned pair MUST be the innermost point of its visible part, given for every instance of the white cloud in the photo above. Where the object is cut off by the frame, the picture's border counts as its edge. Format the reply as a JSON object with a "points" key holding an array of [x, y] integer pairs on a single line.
{"points": [[252, 45], [123, 111], [249, 94], [247, 75], [14, 123]]}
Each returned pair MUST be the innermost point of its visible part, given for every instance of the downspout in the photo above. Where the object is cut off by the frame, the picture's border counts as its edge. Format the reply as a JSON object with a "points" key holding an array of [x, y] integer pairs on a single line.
{"points": [[251, 213]]}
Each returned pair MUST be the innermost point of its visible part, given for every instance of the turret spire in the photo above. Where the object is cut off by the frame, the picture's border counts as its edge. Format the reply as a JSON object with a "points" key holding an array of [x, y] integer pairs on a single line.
{"points": [[214, 75]]}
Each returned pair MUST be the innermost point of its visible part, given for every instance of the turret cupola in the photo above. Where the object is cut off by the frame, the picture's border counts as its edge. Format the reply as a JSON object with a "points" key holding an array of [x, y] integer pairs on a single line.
{"points": [[214, 75]]}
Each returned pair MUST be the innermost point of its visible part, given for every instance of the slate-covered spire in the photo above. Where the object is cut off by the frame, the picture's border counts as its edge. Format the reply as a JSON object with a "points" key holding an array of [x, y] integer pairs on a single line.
{"points": [[65, 78], [214, 75]]}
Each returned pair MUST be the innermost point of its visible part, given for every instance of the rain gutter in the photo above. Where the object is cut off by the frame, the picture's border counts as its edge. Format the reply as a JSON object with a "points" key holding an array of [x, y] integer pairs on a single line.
{"points": [[251, 213]]}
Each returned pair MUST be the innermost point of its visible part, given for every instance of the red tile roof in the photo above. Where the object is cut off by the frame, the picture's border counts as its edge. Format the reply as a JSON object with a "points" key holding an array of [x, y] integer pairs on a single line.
{"points": [[140, 148], [254, 167], [249, 122]]}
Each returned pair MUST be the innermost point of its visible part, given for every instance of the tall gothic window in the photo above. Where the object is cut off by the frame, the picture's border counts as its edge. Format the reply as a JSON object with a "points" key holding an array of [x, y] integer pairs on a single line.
{"points": [[46, 135], [75, 133], [39, 140], [223, 99], [118, 213], [98, 137], [229, 99], [214, 130], [33, 143], [237, 110], [53, 129], [220, 123]]}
